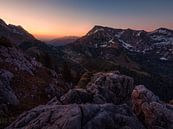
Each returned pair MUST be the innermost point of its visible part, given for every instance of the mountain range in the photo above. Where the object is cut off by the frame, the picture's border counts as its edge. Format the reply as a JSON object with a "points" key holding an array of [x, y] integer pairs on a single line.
{"points": [[87, 80], [157, 42]]}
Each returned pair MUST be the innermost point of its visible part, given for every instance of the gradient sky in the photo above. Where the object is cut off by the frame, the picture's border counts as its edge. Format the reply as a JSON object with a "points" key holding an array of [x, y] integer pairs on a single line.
{"points": [[56, 18]]}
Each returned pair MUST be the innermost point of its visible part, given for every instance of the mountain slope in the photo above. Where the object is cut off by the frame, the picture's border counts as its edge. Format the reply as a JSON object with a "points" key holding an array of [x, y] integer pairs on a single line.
{"points": [[24, 82], [132, 40], [155, 46], [16, 34]]}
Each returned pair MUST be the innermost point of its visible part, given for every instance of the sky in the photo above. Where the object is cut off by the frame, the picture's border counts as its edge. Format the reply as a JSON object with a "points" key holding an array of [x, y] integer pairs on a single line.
{"points": [[48, 19]]}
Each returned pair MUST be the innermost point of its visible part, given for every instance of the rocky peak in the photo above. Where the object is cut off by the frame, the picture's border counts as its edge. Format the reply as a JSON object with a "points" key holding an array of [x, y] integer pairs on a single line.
{"points": [[164, 31], [103, 88], [95, 29], [111, 87]]}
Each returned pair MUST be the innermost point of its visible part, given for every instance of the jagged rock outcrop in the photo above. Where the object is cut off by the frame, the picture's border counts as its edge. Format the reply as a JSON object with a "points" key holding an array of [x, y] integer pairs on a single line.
{"points": [[109, 87], [88, 116], [150, 110]]}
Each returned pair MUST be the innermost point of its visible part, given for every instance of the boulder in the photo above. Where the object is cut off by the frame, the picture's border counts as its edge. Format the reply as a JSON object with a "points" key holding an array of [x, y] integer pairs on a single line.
{"points": [[154, 113], [103, 88], [110, 87]]}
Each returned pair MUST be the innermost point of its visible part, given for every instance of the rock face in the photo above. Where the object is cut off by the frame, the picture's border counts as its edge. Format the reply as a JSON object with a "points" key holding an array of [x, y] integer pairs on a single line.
{"points": [[89, 116], [148, 107], [103, 88], [111, 88]]}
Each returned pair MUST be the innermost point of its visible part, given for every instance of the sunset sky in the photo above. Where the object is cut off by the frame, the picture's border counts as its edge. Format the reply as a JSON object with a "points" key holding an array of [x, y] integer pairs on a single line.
{"points": [[47, 19]]}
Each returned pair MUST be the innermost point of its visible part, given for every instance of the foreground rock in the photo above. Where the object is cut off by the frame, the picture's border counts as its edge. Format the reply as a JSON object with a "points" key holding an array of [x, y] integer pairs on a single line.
{"points": [[111, 88], [148, 107], [89, 116], [103, 88]]}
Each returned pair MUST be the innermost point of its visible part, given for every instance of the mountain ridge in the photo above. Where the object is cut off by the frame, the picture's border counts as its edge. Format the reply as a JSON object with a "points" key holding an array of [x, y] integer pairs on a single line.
{"points": [[139, 41], [16, 34], [108, 27]]}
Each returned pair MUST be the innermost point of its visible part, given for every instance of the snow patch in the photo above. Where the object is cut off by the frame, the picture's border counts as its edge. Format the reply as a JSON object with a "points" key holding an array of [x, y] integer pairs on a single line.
{"points": [[111, 41], [119, 34], [98, 30], [126, 45], [139, 33], [104, 45], [163, 58], [162, 40]]}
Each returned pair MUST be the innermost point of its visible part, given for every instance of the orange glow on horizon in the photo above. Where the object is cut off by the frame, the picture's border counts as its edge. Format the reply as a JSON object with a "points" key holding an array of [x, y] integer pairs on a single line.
{"points": [[47, 30], [50, 28], [42, 25], [47, 19]]}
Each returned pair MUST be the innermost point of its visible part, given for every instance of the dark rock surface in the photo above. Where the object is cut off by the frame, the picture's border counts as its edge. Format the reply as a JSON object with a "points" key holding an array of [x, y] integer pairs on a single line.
{"points": [[77, 96], [89, 116], [103, 88], [149, 109], [110, 87]]}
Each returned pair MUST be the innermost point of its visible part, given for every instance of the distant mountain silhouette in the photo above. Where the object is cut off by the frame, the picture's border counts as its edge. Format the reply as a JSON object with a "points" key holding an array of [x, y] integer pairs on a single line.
{"points": [[63, 40]]}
